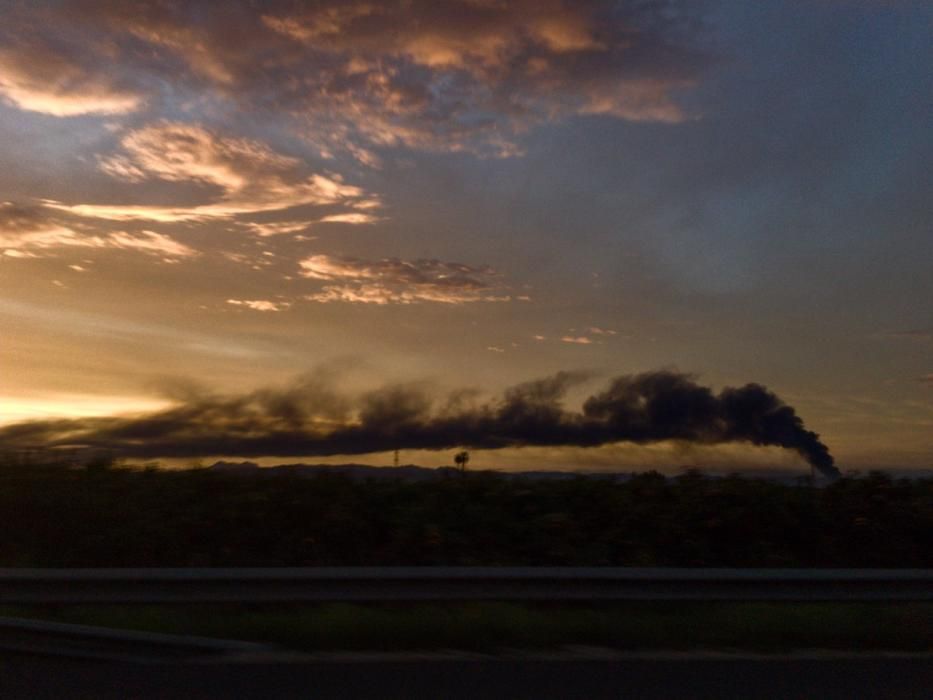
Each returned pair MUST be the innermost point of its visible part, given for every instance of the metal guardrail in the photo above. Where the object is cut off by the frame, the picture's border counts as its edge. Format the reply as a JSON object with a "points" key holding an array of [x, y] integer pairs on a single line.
{"points": [[426, 584], [81, 641]]}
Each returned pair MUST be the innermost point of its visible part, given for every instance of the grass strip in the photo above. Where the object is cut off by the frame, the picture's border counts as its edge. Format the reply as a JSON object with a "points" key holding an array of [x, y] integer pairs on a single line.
{"points": [[487, 627]]}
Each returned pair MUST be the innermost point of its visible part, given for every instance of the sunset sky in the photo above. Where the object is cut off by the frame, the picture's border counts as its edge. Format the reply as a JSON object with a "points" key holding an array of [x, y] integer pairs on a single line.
{"points": [[217, 198]]}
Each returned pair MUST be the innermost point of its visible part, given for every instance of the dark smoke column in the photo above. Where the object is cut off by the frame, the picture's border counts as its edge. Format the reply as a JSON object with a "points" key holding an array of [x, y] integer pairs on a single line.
{"points": [[657, 406], [758, 416], [642, 408]]}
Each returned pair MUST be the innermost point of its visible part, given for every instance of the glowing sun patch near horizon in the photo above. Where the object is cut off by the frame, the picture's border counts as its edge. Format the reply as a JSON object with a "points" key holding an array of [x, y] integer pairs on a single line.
{"points": [[14, 409]]}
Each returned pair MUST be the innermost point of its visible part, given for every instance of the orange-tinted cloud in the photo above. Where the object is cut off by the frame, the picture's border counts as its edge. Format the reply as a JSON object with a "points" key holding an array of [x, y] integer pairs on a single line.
{"points": [[472, 75], [39, 80], [260, 304], [394, 281], [29, 232], [242, 177], [462, 75]]}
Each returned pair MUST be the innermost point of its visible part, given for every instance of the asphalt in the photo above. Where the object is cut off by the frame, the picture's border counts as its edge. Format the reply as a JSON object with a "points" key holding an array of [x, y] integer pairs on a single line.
{"points": [[37, 678]]}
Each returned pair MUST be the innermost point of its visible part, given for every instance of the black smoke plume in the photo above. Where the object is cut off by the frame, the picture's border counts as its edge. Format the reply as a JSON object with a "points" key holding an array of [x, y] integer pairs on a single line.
{"points": [[313, 418]]}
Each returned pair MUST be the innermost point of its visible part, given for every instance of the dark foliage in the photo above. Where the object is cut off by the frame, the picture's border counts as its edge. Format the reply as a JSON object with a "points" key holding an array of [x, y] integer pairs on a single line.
{"points": [[122, 517]]}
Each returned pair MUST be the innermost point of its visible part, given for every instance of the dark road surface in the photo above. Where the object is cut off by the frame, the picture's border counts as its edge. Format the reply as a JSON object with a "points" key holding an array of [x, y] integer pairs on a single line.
{"points": [[41, 678]]}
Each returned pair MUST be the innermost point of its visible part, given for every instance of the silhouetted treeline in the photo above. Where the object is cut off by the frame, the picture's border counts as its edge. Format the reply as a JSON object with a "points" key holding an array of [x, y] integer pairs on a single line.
{"points": [[59, 517]]}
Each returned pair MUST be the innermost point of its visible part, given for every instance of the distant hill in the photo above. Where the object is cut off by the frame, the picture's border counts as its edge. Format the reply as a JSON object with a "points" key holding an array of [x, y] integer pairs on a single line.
{"points": [[413, 472], [362, 472], [408, 472]]}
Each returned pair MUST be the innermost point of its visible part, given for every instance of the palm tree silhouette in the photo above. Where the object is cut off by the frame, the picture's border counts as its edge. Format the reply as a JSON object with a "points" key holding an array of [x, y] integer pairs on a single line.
{"points": [[461, 459]]}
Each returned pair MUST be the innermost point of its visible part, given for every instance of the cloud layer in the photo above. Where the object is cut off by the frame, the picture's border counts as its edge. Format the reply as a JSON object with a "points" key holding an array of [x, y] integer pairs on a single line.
{"points": [[459, 75], [470, 75], [315, 418]]}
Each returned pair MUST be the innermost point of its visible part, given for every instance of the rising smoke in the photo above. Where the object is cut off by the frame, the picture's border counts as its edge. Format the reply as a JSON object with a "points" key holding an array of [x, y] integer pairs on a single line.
{"points": [[314, 418]]}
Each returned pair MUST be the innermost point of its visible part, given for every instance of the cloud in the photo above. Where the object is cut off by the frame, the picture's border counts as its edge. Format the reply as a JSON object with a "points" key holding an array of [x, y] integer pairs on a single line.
{"points": [[149, 242], [278, 228], [38, 80], [355, 218], [245, 175], [313, 417], [576, 340], [382, 294], [484, 71], [395, 281], [462, 75], [260, 304], [26, 229], [351, 218], [30, 232]]}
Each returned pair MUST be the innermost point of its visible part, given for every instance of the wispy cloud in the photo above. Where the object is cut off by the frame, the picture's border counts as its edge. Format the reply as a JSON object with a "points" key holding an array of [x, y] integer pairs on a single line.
{"points": [[260, 304], [577, 340], [30, 232], [248, 175], [36, 79], [350, 218], [149, 242], [395, 281], [278, 228]]}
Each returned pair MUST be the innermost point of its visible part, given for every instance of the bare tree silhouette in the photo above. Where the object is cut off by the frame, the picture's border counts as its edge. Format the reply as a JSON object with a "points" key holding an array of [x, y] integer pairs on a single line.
{"points": [[461, 459]]}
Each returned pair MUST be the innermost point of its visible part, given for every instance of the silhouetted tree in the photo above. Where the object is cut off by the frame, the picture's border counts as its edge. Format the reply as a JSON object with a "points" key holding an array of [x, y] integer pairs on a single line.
{"points": [[461, 459]]}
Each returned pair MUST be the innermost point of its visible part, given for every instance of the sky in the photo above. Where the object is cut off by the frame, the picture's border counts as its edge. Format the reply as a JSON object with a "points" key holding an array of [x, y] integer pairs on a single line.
{"points": [[247, 208]]}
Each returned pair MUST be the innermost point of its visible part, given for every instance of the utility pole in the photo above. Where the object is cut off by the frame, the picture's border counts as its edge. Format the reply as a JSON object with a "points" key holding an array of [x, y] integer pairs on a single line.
{"points": [[396, 458]]}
